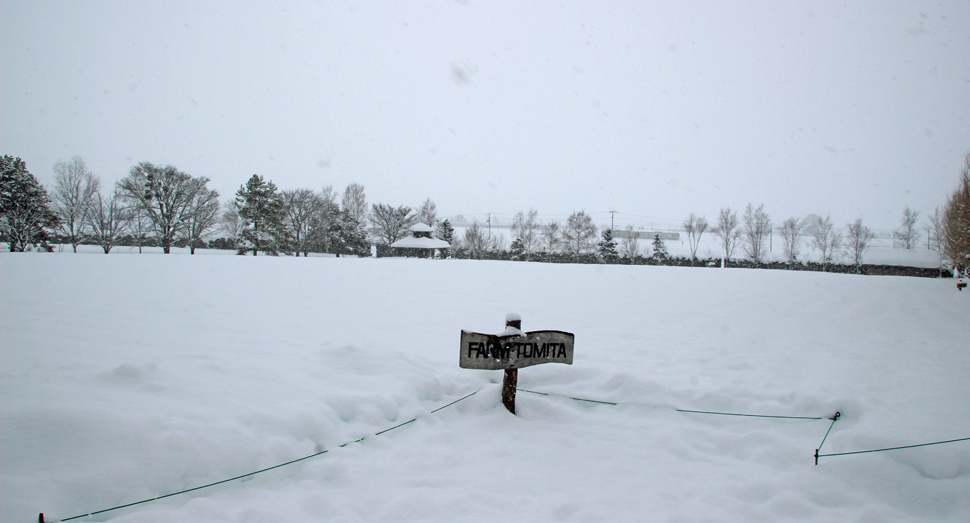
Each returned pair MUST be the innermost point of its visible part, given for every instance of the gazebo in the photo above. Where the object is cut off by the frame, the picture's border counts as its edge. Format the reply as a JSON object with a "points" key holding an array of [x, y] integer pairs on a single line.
{"points": [[421, 239]]}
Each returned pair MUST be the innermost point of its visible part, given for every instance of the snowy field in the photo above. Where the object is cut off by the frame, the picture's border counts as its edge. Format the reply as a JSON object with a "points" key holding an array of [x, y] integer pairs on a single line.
{"points": [[129, 377]]}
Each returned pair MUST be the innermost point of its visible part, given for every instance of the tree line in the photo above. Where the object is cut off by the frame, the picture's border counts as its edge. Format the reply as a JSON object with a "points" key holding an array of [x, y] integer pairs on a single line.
{"points": [[165, 207]]}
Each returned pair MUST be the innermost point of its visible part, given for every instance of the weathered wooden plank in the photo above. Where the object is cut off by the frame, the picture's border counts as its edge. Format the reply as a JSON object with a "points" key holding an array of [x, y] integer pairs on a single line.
{"points": [[491, 352]]}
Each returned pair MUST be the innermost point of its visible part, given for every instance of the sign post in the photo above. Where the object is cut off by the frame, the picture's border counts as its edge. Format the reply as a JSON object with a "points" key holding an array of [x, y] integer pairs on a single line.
{"points": [[513, 349]]}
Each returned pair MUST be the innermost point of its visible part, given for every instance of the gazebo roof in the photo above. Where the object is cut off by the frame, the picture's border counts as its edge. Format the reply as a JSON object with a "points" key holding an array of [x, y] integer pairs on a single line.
{"points": [[414, 242], [421, 227]]}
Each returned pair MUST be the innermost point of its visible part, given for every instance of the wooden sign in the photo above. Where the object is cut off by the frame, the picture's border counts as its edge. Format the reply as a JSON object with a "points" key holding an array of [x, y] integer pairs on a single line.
{"points": [[515, 351]]}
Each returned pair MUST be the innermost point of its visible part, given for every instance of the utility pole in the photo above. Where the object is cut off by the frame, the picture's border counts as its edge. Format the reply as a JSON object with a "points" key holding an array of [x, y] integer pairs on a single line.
{"points": [[611, 221], [489, 225]]}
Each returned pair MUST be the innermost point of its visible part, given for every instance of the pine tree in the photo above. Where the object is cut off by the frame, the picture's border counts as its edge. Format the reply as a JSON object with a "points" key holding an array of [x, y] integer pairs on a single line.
{"points": [[263, 212], [517, 250], [444, 231], [659, 249], [607, 247], [26, 217], [347, 236]]}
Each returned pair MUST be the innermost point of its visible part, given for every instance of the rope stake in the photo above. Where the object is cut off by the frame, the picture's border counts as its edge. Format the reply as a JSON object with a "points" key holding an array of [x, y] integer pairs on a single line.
{"points": [[833, 418]]}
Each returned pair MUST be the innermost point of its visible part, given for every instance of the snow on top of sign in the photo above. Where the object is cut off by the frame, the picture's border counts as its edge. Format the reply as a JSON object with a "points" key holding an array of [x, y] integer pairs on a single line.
{"points": [[511, 331]]}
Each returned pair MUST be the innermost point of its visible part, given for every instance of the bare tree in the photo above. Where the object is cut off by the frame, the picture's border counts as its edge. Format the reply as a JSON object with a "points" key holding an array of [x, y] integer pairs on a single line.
{"points": [[355, 203], [755, 227], [201, 219], [526, 229], [955, 234], [165, 195], [328, 195], [694, 226], [107, 219], [231, 222], [428, 213], [552, 236], [857, 240], [630, 243], [789, 230], [934, 230], [302, 210], [579, 236], [907, 236], [826, 240], [498, 243], [475, 241], [389, 224], [74, 189], [727, 230]]}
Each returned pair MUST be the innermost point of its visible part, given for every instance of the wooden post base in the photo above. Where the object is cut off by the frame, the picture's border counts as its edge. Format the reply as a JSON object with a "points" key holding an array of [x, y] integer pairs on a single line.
{"points": [[508, 389]]}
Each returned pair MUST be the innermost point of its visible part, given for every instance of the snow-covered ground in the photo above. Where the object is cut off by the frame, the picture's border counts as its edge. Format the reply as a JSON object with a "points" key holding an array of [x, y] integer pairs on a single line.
{"points": [[128, 377]]}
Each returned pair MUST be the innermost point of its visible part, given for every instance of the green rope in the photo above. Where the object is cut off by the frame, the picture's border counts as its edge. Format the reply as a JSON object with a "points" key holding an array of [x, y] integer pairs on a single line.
{"points": [[678, 410], [261, 470], [746, 415], [893, 448], [564, 396]]}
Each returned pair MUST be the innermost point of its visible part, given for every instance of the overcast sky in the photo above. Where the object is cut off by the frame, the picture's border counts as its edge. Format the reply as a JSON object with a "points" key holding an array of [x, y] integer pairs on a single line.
{"points": [[650, 109]]}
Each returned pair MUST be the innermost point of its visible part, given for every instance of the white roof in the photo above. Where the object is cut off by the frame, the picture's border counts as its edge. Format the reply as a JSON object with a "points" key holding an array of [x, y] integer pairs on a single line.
{"points": [[412, 242], [421, 227]]}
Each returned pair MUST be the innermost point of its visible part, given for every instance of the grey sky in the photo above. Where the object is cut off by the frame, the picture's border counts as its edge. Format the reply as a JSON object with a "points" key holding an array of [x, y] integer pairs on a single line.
{"points": [[651, 109]]}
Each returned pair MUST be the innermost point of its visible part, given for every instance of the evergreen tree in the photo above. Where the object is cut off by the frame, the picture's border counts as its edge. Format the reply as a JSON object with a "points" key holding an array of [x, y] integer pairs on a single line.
{"points": [[347, 236], [444, 231], [659, 249], [517, 250], [26, 217], [263, 212], [607, 247]]}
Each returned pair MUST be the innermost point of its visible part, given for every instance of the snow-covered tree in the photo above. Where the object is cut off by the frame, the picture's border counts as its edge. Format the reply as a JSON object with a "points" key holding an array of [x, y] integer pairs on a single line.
{"points": [[308, 217], [607, 247], [26, 217], [390, 224], [525, 227], [755, 228], [955, 234], [165, 195], [347, 236], [475, 242], [202, 219], [580, 234], [630, 244], [907, 236], [230, 222], [826, 240], [428, 213], [934, 230], [789, 231], [857, 241], [659, 249], [727, 230], [355, 203], [517, 250], [694, 226], [551, 236], [263, 213], [74, 189], [107, 220]]}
